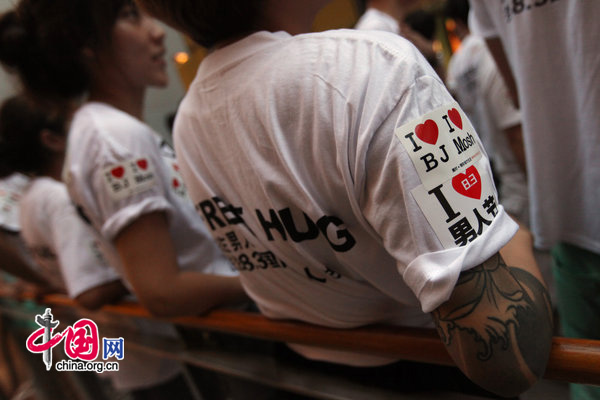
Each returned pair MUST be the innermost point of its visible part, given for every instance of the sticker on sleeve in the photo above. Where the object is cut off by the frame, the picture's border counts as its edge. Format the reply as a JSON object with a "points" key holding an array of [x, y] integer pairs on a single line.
{"points": [[9, 210], [176, 179], [129, 178], [462, 208], [440, 144]]}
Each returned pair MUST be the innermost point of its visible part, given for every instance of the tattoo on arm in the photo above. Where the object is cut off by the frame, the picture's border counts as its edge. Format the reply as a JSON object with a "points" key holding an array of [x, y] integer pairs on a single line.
{"points": [[503, 314]]}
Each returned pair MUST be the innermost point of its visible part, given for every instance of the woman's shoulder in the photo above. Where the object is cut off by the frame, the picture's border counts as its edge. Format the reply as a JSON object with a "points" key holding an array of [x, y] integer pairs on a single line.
{"points": [[101, 134], [45, 190], [101, 118]]}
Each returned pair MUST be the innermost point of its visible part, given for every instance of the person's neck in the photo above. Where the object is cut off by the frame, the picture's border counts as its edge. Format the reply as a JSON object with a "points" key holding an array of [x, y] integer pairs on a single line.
{"points": [[131, 102], [55, 167]]}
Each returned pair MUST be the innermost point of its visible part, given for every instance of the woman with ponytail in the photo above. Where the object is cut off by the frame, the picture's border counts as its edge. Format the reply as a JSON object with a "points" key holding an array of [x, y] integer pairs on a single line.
{"points": [[101, 55], [105, 54]]}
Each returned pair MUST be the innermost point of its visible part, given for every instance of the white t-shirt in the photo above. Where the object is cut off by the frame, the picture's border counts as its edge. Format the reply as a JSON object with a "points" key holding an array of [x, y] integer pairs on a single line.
{"points": [[301, 156], [553, 48], [11, 190], [473, 77], [117, 171], [376, 20], [61, 243]]}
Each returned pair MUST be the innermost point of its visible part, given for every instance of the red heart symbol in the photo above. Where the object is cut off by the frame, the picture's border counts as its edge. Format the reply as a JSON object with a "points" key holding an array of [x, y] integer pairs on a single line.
{"points": [[455, 117], [468, 184], [143, 164], [427, 131], [118, 172], [175, 183]]}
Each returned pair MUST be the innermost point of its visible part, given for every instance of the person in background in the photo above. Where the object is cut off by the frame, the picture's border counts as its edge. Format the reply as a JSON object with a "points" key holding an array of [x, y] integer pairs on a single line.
{"points": [[103, 55], [329, 157], [65, 247], [121, 181], [474, 79], [548, 53], [15, 258]]}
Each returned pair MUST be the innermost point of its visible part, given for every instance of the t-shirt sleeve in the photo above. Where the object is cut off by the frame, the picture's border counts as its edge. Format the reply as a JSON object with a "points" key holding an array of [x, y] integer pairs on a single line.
{"points": [[82, 264], [126, 182], [429, 194]]}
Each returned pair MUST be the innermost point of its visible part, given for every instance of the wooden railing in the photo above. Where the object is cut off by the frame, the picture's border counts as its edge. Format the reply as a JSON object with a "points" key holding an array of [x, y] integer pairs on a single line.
{"points": [[571, 360]]}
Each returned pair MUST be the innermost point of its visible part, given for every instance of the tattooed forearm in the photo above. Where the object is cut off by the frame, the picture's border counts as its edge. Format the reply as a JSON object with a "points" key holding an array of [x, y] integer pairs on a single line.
{"points": [[497, 326]]}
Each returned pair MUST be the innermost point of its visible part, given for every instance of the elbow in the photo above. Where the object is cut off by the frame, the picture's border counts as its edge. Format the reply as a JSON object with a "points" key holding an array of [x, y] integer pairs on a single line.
{"points": [[506, 382], [511, 373], [99, 296], [161, 306], [161, 310]]}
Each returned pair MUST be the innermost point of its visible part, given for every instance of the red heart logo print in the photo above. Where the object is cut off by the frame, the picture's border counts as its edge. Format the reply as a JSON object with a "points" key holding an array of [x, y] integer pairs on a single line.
{"points": [[468, 184], [175, 183], [117, 172], [455, 117], [427, 131], [143, 164]]}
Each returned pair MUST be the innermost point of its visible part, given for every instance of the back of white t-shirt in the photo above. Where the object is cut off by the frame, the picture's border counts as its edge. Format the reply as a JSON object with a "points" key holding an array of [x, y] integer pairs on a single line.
{"points": [[308, 174]]}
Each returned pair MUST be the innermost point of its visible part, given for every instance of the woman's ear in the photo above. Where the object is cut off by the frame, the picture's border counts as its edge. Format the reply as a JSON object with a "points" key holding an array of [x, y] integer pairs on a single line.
{"points": [[53, 141]]}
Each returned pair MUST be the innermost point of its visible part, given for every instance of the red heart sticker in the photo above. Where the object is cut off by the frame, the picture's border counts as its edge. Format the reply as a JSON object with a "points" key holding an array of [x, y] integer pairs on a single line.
{"points": [[175, 183], [117, 172], [455, 117], [427, 131], [468, 184], [143, 164]]}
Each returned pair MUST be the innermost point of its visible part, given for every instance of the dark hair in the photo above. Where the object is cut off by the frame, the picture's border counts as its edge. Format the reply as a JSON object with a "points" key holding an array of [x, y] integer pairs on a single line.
{"points": [[21, 122], [458, 10], [43, 41], [207, 22]]}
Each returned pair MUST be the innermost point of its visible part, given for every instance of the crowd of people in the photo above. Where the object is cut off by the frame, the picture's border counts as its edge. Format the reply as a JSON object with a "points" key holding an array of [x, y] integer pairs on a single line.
{"points": [[340, 178]]}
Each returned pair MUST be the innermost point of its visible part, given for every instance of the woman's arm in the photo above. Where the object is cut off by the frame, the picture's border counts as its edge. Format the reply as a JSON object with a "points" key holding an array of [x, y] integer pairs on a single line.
{"points": [[150, 263]]}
